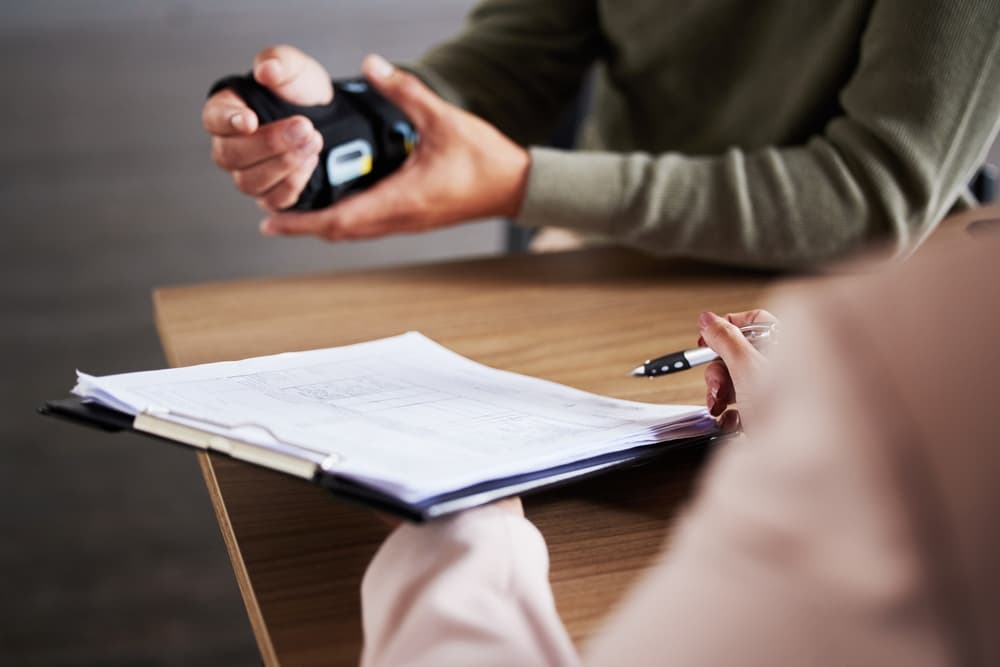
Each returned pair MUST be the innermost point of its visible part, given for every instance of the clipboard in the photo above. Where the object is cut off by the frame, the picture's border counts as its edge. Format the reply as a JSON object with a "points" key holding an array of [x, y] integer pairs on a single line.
{"points": [[92, 415]]}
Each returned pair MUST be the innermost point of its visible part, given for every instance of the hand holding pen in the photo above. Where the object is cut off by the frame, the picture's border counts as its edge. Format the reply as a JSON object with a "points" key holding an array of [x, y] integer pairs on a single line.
{"points": [[731, 346], [757, 334]]}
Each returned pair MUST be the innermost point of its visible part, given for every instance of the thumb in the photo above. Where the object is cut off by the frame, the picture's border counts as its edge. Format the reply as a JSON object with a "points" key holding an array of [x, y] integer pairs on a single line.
{"points": [[293, 75], [404, 90], [740, 357]]}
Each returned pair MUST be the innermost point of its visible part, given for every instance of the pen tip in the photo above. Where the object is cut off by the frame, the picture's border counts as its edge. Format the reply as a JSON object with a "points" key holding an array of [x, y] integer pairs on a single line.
{"points": [[638, 371]]}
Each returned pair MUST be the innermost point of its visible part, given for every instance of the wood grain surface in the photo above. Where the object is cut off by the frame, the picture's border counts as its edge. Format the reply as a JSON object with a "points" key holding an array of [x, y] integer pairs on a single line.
{"points": [[582, 318]]}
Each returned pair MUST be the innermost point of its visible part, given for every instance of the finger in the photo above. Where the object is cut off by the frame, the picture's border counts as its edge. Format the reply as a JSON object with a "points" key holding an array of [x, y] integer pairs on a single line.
{"points": [[724, 337], [226, 114], [404, 90], [758, 315], [334, 224], [718, 388], [728, 341], [286, 192], [293, 75], [295, 134], [393, 204], [308, 223], [730, 421], [386, 207], [262, 177]]}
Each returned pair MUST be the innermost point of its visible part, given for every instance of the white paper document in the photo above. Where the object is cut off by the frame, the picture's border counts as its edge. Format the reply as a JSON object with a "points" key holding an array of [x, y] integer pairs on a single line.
{"points": [[403, 414]]}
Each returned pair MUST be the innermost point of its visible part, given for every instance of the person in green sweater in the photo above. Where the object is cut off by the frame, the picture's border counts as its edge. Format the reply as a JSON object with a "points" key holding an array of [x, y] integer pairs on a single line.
{"points": [[775, 134]]}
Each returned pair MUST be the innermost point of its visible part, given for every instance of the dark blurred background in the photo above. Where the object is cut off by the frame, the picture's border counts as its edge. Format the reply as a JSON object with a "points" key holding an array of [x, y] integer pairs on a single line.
{"points": [[109, 551]]}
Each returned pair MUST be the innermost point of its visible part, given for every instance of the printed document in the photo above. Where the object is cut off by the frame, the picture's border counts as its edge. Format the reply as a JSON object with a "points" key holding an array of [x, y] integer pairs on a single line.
{"points": [[403, 414]]}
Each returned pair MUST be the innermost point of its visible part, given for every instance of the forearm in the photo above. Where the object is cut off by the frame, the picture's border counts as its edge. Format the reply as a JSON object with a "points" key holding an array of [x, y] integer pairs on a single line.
{"points": [[472, 589], [771, 208]]}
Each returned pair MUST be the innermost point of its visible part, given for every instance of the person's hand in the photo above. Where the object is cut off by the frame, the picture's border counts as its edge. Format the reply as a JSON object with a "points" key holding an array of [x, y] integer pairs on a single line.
{"points": [[271, 162], [462, 169], [732, 377]]}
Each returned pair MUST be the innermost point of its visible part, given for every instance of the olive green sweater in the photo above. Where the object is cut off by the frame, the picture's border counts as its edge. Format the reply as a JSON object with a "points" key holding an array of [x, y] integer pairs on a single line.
{"points": [[772, 133]]}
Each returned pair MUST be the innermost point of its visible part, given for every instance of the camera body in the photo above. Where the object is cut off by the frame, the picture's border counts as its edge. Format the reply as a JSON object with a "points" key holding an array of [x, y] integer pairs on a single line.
{"points": [[365, 137]]}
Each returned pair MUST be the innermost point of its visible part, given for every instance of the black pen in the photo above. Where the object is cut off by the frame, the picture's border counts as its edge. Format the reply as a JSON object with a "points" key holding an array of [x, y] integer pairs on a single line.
{"points": [[681, 361]]}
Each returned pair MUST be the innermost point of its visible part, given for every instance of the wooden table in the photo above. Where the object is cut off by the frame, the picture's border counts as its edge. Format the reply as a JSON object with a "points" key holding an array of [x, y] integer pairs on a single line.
{"points": [[581, 318]]}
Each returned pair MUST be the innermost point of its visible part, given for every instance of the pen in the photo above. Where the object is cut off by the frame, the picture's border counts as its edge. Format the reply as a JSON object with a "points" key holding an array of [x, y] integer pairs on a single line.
{"points": [[681, 361]]}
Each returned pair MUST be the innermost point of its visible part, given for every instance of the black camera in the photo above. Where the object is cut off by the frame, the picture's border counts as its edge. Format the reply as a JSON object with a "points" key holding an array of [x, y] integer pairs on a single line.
{"points": [[365, 137]]}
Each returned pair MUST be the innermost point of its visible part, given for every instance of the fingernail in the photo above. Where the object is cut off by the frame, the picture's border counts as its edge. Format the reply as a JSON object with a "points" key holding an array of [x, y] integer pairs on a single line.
{"points": [[312, 145], [379, 67], [238, 121], [299, 131], [272, 68], [267, 227], [705, 319]]}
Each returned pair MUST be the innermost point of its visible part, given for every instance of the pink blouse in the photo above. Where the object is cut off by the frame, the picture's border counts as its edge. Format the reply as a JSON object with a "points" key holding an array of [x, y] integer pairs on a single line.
{"points": [[857, 524]]}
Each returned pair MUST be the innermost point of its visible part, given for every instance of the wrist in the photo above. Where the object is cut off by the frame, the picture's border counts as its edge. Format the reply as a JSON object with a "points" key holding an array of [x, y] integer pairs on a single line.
{"points": [[519, 169]]}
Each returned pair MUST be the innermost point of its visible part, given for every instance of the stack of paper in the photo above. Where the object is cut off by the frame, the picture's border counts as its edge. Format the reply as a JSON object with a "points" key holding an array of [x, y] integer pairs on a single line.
{"points": [[403, 415]]}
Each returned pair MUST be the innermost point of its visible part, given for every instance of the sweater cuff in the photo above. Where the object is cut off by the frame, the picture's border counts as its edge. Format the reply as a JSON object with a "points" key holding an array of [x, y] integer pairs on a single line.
{"points": [[576, 190]]}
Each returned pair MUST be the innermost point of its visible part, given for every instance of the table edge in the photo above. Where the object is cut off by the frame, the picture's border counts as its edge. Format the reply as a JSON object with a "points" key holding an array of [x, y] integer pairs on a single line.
{"points": [[263, 638], [257, 624]]}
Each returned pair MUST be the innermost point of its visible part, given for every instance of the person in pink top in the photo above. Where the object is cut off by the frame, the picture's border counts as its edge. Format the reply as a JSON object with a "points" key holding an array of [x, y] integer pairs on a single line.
{"points": [[854, 523]]}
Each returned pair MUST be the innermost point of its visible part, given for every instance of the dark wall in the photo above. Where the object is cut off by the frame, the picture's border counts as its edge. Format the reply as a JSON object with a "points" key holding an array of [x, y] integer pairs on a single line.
{"points": [[109, 553]]}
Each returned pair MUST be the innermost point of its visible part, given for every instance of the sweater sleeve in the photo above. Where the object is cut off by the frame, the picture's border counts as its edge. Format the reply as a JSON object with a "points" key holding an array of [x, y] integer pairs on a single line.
{"points": [[518, 64], [917, 118], [472, 589]]}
